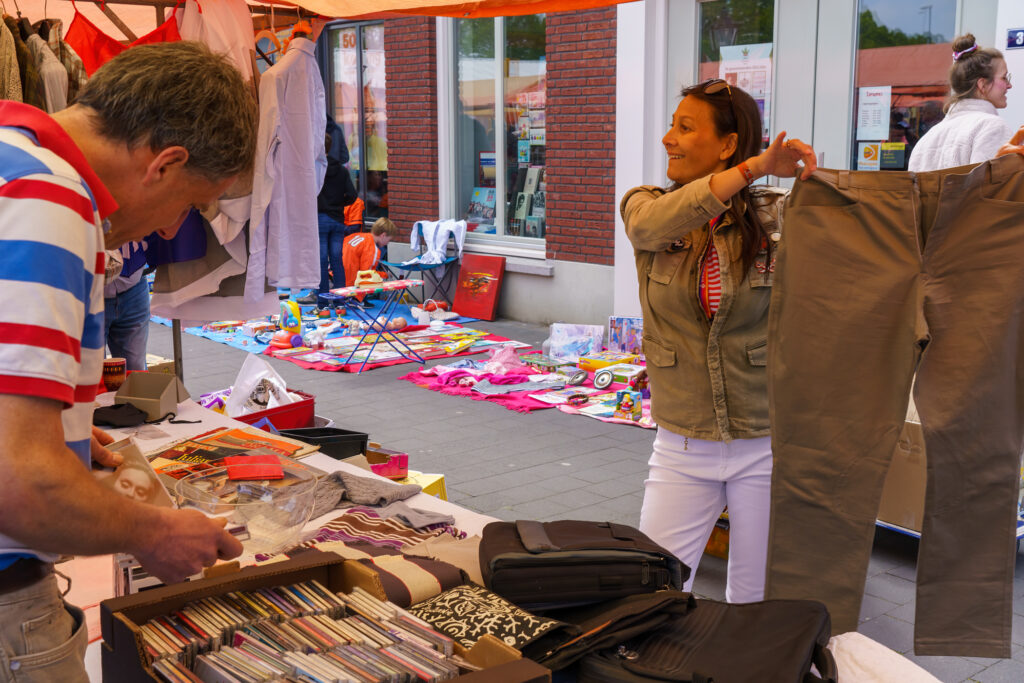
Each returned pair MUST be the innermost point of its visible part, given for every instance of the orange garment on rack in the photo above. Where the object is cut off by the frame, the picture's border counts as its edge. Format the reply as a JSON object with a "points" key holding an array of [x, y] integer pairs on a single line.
{"points": [[96, 48]]}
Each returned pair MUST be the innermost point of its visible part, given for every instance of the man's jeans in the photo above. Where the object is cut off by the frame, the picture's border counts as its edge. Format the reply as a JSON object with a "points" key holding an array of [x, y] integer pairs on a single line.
{"points": [[126, 321], [332, 237], [42, 638], [880, 275]]}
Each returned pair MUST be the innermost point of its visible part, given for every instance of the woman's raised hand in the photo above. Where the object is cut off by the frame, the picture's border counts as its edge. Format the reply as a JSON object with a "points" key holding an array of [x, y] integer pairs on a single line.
{"points": [[783, 158]]}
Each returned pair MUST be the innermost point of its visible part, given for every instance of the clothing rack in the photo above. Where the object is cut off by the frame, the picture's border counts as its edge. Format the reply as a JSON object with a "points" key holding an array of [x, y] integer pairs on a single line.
{"points": [[265, 15]]}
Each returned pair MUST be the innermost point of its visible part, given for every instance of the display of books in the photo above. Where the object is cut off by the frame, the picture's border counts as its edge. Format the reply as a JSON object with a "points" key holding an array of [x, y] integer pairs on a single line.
{"points": [[533, 227], [532, 179], [539, 204], [522, 207], [482, 204]]}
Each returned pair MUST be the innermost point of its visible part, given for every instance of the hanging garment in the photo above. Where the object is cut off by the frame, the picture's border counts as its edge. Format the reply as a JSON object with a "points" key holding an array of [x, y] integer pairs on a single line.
{"points": [[291, 162], [96, 48], [52, 73], [225, 26], [10, 77], [880, 274], [68, 57], [31, 85]]}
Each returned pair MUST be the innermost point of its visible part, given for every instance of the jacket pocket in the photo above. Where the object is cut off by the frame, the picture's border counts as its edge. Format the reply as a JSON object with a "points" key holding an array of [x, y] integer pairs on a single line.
{"points": [[658, 355], [666, 264], [757, 353]]}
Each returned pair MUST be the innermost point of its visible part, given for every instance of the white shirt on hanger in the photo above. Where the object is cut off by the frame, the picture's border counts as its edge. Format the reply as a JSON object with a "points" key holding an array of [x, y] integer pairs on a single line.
{"points": [[226, 28], [291, 162]]}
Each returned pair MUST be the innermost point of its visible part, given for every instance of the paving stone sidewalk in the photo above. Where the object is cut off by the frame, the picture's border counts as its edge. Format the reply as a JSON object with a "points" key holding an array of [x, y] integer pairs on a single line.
{"points": [[550, 465]]}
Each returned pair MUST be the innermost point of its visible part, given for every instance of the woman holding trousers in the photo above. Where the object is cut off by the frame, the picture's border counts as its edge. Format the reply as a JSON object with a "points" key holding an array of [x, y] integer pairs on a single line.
{"points": [[704, 251]]}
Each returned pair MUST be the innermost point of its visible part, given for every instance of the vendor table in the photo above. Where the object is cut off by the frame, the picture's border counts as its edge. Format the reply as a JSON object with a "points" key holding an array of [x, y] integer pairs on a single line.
{"points": [[466, 520], [392, 290]]}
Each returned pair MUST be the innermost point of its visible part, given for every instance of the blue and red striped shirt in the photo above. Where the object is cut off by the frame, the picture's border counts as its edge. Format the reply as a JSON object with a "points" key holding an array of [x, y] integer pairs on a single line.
{"points": [[51, 271]]}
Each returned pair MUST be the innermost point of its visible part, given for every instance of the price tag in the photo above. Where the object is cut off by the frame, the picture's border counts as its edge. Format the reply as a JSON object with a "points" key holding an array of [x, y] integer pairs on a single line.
{"points": [[1015, 39]]}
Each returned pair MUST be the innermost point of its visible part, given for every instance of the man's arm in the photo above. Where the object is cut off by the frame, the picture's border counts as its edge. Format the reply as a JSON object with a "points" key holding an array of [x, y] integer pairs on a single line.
{"points": [[50, 502]]}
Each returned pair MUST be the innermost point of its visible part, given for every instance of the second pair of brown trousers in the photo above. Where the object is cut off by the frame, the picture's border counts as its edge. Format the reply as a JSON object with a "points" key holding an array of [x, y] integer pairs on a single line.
{"points": [[880, 275]]}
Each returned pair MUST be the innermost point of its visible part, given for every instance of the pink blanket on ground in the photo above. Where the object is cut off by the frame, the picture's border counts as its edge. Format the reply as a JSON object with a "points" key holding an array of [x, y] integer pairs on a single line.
{"points": [[516, 400]]}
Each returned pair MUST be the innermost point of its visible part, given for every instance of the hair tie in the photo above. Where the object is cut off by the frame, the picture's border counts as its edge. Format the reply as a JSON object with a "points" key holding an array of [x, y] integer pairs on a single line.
{"points": [[958, 55]]}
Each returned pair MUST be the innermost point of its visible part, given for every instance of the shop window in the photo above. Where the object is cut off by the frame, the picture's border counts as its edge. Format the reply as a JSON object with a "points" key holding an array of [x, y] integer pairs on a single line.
{"points": [[501, 188], [357, 98], [902, 78], [736, 44]]}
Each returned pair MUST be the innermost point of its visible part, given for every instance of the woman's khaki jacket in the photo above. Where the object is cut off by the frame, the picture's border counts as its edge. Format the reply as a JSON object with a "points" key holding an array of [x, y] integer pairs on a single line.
{"points": [[708, 378]]}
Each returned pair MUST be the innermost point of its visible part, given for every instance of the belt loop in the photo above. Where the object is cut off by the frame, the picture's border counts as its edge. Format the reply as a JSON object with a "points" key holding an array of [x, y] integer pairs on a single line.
{"points": [[1003, 167], [844, 180]]}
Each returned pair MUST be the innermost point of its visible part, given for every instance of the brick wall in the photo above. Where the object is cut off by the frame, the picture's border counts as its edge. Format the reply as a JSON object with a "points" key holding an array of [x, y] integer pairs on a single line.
{"points": [[581, 136], [411, 81]]}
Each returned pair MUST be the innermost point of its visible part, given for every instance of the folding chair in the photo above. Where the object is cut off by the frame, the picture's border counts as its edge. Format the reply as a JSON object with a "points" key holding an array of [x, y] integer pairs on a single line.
{"points": [[439, 272]]}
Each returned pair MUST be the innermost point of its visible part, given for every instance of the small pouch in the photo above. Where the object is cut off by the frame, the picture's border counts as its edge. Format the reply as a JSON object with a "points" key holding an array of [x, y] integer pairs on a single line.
{"points": [[119, 415]]}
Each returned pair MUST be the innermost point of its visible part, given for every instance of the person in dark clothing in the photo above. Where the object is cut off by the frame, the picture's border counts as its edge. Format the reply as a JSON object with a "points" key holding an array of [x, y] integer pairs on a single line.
{"points": [[338, 192]]}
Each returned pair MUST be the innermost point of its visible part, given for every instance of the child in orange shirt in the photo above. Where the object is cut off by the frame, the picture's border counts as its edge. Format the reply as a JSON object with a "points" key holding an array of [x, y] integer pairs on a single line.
{"points": [[361, 251]]}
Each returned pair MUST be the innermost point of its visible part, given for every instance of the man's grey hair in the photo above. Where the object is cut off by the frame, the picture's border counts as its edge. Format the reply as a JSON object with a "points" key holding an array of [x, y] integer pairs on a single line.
{"points": [[180, 93]]}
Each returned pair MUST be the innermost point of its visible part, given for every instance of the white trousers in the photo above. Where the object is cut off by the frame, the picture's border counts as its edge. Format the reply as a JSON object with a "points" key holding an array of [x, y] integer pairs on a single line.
{"points": [[689, 484]]}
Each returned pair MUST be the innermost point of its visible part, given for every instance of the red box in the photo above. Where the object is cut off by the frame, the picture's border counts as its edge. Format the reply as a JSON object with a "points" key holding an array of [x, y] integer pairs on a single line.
{"points": [[290, 416]]}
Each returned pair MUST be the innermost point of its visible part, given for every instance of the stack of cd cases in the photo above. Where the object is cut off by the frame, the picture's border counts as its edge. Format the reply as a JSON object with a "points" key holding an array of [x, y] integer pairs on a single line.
{"points": [[301, 632]]}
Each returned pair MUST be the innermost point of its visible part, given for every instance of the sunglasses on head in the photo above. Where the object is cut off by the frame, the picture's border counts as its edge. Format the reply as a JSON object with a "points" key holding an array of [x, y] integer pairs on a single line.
{"points": [[714, 86]]}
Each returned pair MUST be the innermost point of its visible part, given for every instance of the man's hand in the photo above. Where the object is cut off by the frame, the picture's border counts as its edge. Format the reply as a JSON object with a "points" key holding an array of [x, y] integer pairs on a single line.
{"points": [[182, 543], [99, 451], [1015, 145]]}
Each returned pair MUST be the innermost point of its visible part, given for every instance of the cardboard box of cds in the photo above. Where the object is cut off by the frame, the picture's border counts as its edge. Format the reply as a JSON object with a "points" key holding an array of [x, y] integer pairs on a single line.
{"points": [[127, 655]]}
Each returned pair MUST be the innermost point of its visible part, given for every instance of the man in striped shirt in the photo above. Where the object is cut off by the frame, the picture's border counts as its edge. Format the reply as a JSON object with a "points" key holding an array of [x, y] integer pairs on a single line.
{"points": [[158, 130]]}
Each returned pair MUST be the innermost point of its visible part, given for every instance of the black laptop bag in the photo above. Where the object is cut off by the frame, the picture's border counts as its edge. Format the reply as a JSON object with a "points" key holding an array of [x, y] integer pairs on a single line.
{"points": [[775, 641], [548, 565]]}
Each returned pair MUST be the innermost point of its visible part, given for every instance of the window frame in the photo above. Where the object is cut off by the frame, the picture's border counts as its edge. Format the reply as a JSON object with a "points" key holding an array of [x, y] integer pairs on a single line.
{"points": [[448, 163]]}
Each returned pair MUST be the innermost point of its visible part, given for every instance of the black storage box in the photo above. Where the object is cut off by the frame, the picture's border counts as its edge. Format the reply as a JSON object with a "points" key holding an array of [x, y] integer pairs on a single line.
{"points": [[333, 441]]}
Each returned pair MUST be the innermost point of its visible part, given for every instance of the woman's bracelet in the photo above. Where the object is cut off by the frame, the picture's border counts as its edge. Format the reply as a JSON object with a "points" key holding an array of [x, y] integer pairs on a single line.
{"points": [[748, 175]]}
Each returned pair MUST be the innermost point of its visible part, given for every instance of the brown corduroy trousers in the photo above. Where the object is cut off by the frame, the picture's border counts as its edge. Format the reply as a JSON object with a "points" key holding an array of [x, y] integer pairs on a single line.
{"points": [[879, 276]]}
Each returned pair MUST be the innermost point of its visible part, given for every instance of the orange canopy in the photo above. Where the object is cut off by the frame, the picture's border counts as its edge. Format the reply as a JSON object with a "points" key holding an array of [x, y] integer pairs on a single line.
{"points": [[366, 9]]}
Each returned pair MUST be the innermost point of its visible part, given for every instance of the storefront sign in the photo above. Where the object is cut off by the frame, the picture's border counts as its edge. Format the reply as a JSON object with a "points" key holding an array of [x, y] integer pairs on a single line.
{"points": [[873, 112], [868, 154], [749, 67], [1015, 39]]}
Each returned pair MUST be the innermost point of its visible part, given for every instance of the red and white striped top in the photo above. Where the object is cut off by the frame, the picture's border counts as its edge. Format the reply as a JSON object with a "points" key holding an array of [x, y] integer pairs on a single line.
{"points": [[709, 284]]}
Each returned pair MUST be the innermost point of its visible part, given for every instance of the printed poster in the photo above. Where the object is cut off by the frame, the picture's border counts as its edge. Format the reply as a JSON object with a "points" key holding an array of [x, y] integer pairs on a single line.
{"points": [[873, 112], [749, 67]]}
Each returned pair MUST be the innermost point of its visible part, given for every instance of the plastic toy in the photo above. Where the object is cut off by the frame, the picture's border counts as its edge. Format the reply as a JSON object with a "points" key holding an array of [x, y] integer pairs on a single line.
{"points": [[291, 317], [285, 339], [603, 378], [628, 405], [640, 382]]}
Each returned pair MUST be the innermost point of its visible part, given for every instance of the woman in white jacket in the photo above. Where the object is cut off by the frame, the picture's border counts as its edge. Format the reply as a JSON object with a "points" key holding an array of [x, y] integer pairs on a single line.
{"points": [[972, 131]]}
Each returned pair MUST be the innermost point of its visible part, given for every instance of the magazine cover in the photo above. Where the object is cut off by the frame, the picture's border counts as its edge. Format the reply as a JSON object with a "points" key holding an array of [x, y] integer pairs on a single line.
{"points": [[134, 477]]}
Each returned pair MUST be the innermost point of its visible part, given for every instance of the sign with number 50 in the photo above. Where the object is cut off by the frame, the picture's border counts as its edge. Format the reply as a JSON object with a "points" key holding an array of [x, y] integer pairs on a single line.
{"points": [[1015, 39]]}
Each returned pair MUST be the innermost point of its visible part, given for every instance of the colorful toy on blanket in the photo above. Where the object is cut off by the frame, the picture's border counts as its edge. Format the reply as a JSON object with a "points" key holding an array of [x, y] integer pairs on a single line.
{"points": [[291, 317], [640, 382], [286, 339], [628, 405], [593, 362], [393, 325]]}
